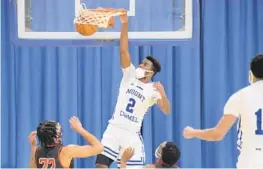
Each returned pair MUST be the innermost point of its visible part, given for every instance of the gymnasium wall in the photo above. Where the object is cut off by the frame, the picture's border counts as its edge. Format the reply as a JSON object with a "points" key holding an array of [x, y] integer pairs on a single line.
{"points": [[58, 82]]}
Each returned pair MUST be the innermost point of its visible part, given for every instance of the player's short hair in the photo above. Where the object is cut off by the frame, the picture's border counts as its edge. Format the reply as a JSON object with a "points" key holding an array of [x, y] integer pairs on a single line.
{"points": [[156, 64], [48, 134], [170, 154], [256, 66]]}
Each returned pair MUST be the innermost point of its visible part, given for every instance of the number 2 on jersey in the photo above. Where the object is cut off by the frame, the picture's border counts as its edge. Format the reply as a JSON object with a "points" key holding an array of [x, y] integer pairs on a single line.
{"points": [[131, 105], [259, 130], [46, 162]]}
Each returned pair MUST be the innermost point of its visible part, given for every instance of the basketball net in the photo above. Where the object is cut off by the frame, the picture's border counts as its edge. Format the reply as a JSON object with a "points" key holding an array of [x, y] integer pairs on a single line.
{"points": [[99, 17]]}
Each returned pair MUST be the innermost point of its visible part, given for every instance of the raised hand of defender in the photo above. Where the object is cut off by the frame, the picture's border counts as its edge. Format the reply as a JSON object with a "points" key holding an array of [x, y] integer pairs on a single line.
{"points": [[127, 154], [32, 138], [75, 124], [188, 132], [124, 16]]}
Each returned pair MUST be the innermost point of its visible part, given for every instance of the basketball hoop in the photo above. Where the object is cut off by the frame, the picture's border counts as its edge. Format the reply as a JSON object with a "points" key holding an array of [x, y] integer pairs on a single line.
{"points": [[99, 17]]}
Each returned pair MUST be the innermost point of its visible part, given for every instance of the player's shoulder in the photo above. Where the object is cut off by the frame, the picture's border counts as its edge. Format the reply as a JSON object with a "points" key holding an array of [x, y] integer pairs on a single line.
{"points": [[245, 91], [242, 90], [131, 67], [240, 94], [150, 87], [67, 148]]}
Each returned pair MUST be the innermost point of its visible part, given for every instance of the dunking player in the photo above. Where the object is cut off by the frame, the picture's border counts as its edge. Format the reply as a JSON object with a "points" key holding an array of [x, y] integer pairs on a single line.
{"points": [[167, 155], [247, 105], [136, 95], [52, 154]]}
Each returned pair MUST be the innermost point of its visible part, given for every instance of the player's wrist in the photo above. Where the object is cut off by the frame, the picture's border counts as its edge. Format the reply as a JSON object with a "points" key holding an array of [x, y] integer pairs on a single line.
{"points": [[123, 161], [81, 130], [194, 133]]}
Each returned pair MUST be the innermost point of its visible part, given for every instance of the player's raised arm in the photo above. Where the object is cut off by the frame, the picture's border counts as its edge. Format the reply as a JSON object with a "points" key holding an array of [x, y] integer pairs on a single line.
{"points": [[124, 47], [162, 100], [33, 147], [76, 151]]}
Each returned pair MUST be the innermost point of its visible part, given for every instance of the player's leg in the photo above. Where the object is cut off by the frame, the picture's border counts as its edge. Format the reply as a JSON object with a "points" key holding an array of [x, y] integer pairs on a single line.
{"points": [[135, 141], [111, 149]]}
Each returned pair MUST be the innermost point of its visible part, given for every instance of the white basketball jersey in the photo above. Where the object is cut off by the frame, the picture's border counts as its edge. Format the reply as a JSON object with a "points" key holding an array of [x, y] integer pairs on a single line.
{"points": [[134, 100], [247, 104]]}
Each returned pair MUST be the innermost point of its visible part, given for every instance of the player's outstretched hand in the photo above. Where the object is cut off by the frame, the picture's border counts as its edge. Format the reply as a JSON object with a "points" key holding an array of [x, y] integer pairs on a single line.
{"points": [[75, 124], [159, 87], [124, 17], [32, 138], [127, 154], [188, 132]]}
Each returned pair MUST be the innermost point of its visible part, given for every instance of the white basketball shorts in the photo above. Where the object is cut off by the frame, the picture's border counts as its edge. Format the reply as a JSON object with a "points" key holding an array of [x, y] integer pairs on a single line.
{"points": [[115, 140]]}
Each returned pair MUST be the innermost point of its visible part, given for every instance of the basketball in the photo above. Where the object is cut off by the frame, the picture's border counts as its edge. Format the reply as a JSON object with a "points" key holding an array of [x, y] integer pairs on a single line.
{"points": [[86, 29]]}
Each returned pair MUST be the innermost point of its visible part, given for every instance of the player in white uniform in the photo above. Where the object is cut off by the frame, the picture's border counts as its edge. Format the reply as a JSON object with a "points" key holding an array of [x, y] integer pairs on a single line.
{"points": [[247, 105], [136, 95]]}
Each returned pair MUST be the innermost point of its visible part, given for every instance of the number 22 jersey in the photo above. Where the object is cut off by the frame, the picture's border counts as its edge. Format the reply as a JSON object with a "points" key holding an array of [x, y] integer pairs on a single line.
{"points": [[134, 100]]}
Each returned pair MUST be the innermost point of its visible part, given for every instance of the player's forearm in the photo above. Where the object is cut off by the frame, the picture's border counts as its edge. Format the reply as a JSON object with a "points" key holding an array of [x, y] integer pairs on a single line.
{"points": [[166, 105], [208, 134], [91, 139], [124, 46], [32, 163], [124, 38]]}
